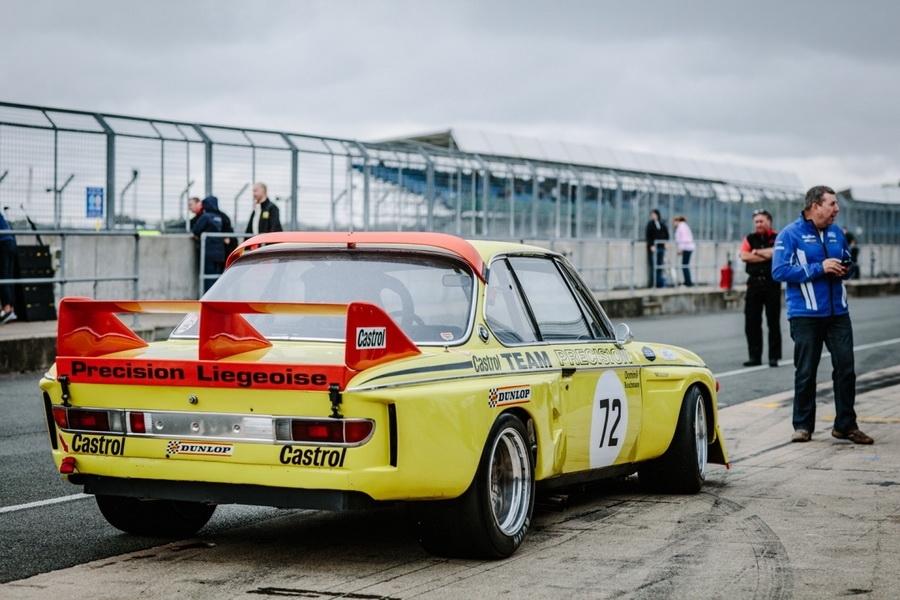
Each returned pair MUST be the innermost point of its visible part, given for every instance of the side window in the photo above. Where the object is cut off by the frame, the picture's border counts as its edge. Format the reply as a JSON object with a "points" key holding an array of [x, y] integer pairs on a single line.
{"points": [[503, 308], [557, 312], [600, 324]]}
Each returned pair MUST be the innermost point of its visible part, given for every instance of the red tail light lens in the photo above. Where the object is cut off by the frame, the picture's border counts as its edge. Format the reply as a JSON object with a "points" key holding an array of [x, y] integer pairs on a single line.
{"points": [[86, 419], [136, 422], [357, 431], [89, 420], [61, 416], [331, 431]]}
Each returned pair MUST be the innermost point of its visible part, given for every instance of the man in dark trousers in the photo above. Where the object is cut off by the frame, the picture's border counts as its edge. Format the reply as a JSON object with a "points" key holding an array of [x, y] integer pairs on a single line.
{"points": [[812, 256], [265, 213], [657, 231], [7, 271], [763, 292], [209, 221]]}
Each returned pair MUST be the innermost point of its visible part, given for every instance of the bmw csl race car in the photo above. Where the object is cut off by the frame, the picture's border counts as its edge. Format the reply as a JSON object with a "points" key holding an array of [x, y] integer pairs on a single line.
{"points": [[342, 370]]}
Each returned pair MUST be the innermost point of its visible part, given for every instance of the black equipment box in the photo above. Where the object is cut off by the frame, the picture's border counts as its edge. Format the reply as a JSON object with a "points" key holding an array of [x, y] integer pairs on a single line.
{"points": [[35, 301]]}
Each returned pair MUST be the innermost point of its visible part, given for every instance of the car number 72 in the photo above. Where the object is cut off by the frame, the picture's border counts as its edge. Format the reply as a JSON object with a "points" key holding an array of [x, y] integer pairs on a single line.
{"points": [[609, 406]]}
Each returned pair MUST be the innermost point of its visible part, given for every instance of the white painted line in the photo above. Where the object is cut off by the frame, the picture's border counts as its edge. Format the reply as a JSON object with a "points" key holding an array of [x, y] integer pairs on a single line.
{"points": [[787, 361], [7, 509]]}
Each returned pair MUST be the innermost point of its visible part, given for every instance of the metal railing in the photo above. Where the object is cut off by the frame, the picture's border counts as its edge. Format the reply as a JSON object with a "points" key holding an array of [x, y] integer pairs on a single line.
{"points": [[59, 266]]}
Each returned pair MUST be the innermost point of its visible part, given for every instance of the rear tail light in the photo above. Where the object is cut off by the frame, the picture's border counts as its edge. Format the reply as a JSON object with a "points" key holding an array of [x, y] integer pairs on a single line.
{"points": [[328, 431], [84, 419], [137, 423], [324, 431], [61, 416]]}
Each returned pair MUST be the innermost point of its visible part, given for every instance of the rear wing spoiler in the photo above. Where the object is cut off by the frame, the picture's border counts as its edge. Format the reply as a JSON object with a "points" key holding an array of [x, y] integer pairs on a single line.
{"points": [[358, 239], [89, 331]]}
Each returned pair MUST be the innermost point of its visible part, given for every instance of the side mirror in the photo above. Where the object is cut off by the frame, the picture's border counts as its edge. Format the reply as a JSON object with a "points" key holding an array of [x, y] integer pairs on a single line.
{"points": [[623, 335]]}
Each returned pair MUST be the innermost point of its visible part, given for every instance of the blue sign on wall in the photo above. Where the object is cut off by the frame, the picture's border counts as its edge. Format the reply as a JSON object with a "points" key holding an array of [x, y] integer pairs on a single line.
{"points": [[94, 201]]}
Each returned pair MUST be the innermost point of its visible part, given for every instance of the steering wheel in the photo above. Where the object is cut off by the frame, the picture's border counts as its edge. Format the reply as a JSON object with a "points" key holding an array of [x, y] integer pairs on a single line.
{"points": [[406, 316]]}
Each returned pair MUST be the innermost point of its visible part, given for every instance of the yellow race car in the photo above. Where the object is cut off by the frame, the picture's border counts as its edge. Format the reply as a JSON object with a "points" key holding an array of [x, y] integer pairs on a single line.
{"points": [[342, 370]]}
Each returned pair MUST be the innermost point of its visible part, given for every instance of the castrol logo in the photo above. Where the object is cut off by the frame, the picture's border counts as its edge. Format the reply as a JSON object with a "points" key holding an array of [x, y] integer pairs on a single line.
{"points": [[370, 338]]}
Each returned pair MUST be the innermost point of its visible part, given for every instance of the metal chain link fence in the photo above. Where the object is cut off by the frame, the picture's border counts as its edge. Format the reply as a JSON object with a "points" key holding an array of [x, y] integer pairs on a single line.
{"points": [[77, 170]]}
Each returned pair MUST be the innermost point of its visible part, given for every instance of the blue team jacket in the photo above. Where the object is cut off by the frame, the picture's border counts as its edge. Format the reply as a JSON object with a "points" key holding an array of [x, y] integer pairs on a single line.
{"points": [[797, 260]]}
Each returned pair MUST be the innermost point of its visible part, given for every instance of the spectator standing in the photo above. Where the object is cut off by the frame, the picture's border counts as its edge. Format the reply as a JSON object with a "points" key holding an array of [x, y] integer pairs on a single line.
{"points": [[209, 221], [196, 208], [264, 218], [854, 251], [7, 271], [812, 256], [230, 242], [763, 292], [656, 231], [684, 239]]}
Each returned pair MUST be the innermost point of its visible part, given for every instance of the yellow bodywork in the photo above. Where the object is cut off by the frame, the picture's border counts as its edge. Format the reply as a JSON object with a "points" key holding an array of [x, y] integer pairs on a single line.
{"points": [[590, 406]]}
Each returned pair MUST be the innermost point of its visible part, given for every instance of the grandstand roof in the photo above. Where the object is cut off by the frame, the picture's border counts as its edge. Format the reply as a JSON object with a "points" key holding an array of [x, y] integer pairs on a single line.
{"points": [[569, 153], [879, 195]]}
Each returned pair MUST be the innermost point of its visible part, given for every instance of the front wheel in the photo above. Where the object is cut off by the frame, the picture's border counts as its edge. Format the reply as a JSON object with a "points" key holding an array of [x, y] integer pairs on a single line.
{"points": [[157, 518], [491, 518], [682, 469]]}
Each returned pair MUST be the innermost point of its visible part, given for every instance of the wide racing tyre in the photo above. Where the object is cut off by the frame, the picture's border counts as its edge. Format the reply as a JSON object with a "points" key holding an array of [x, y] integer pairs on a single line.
{"points": [[157, 518], [682, 469], [491, 518]]}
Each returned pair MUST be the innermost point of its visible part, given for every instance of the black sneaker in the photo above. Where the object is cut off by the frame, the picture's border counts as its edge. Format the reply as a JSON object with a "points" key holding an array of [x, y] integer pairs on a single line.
{"points": [[8, 317], [752, 363]]}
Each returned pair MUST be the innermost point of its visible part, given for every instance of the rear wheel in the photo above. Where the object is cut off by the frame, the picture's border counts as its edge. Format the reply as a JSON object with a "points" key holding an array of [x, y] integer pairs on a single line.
{"points": [[157, 518], [491, 518], [682, 469]]}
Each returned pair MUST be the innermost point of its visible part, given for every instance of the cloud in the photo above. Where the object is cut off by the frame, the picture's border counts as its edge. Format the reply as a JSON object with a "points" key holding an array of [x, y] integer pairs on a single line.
{"points": [[807, 86]]}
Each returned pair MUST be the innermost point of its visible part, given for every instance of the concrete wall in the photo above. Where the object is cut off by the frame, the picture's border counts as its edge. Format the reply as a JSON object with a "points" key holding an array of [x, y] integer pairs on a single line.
{"points": [[168, 264]]}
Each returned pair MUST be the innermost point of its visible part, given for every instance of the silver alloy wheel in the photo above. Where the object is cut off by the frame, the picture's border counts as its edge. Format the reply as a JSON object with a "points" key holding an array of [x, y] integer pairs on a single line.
{"points": [[700, 437], [510, 482]]}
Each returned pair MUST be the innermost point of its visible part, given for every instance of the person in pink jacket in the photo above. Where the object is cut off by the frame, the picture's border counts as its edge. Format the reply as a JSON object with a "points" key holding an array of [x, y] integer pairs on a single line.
{"points": [[684, 239]]}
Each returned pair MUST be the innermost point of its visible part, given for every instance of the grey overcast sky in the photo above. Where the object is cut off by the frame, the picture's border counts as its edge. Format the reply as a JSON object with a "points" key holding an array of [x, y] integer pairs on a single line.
{"points": [[810, 87]]}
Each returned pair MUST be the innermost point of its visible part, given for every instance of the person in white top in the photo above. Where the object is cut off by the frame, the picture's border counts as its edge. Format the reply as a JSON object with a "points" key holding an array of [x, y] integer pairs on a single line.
{"points": [[684, 239]]}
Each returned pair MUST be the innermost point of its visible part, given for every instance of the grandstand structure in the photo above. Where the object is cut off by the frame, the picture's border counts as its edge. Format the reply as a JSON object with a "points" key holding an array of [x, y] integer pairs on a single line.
{"points": [[68, 169]]}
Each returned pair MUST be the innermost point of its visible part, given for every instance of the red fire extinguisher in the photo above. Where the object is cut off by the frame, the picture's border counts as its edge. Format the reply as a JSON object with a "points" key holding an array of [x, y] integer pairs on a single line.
{"points": [[726, 275]]}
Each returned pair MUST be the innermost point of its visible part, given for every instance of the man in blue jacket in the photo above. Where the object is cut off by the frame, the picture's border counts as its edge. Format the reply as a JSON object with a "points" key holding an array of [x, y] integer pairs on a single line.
{"points": [[812, 257], [210, 221]]}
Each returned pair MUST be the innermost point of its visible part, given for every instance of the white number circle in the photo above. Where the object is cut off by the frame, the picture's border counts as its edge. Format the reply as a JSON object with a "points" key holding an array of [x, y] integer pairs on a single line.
{"points": [[609, 420]]}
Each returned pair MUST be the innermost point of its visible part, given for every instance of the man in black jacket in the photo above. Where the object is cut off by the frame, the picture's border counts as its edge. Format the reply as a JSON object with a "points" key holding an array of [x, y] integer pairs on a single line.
{"points": [[762, 291], [657, 231], [264, 218]]}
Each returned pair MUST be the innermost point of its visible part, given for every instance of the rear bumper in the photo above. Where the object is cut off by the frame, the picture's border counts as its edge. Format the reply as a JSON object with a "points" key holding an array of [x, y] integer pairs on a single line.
{"points": [[224, 493]]}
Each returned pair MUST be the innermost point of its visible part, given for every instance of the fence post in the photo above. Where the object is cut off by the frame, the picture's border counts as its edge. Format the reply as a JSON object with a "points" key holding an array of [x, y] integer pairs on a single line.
{"points": [[110, 172]]}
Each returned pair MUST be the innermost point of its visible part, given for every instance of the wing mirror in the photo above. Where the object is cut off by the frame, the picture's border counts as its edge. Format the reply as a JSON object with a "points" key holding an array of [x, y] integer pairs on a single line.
{"points": [[623, 335]]}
